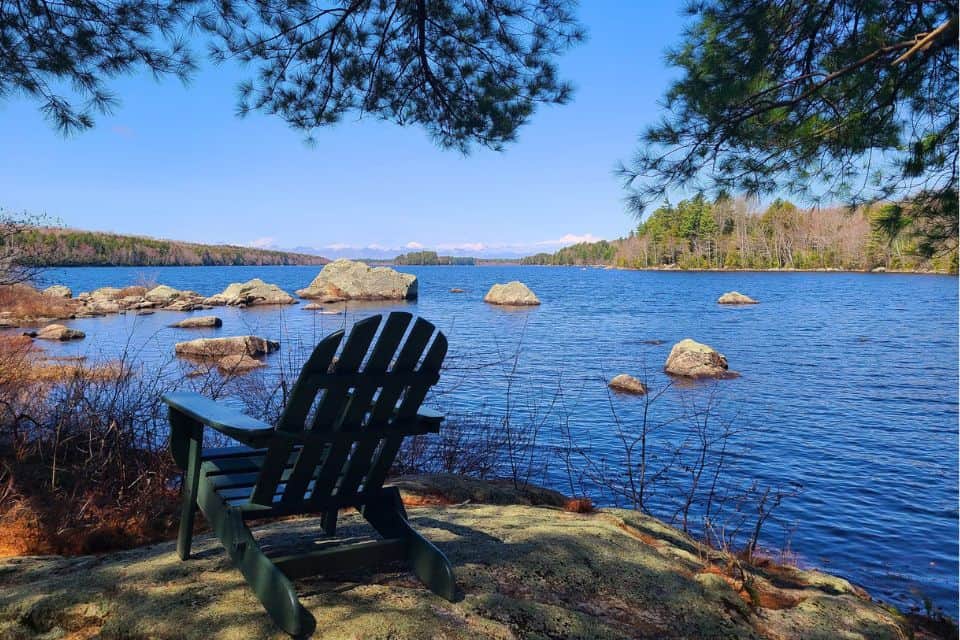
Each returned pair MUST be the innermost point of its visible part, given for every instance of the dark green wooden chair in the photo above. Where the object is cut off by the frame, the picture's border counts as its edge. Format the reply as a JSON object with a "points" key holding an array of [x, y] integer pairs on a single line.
{"points": [[335, 456]]}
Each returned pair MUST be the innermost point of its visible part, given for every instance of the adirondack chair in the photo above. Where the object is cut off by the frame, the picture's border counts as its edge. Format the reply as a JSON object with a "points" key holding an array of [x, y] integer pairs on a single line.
{"points": [[363, 410]]}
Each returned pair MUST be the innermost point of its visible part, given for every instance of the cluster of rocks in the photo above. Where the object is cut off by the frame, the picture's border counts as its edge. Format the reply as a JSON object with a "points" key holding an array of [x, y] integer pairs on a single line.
{"points": [[238, 294], [251, 293], [688, 359]]}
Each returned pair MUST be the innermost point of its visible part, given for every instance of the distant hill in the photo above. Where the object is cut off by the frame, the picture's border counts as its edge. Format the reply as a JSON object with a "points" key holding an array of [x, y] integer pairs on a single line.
{"points": [[431, 258], [56, 247]]}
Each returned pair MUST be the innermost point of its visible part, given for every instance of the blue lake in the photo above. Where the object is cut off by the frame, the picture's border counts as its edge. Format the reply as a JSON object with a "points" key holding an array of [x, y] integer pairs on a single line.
{"points": [[848, 383]]}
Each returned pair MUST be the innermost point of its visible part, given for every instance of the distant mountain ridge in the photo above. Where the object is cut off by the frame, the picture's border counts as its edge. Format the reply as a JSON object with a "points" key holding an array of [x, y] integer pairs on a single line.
{"points": [[58, 247]]}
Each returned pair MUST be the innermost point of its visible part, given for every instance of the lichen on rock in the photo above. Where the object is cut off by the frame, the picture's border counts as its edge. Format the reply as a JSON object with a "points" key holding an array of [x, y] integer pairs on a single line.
{"points": [[524, 572]]}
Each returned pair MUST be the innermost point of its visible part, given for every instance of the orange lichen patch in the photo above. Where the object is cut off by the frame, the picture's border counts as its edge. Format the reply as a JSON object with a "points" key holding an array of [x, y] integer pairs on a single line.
{"points": [[778, 599], [637, 534], [756, 593], [579, 505], [425, 500]]}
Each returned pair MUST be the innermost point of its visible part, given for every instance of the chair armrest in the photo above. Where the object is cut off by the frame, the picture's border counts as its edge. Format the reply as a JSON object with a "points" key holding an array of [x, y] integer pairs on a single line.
{"points": [[218, 416], [430, 416]]}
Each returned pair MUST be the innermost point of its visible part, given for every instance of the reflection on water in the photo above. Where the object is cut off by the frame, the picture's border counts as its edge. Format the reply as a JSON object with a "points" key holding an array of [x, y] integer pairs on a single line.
{"points": [[848, 382]]}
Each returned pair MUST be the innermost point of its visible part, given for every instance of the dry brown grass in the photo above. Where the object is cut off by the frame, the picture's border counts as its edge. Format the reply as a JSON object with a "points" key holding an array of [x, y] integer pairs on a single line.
{"points": [[17, 355], [23, 301], [127, 292], [83, 464]]}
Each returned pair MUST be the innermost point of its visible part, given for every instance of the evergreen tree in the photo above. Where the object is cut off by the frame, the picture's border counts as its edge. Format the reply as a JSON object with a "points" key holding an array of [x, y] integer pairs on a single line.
{"points": [[469, 71], [848, 99]]}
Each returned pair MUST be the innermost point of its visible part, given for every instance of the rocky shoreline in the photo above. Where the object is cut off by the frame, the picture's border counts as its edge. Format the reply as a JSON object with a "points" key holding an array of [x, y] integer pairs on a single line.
{"points": [[526, 567]]}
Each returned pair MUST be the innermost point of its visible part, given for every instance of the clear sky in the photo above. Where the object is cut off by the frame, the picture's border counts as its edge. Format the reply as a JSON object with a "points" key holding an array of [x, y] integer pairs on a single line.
{"points": [[174, 161]]}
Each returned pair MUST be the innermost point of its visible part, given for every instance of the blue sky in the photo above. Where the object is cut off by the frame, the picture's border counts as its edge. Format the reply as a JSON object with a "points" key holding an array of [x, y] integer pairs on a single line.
{"points": [[174, 162]]}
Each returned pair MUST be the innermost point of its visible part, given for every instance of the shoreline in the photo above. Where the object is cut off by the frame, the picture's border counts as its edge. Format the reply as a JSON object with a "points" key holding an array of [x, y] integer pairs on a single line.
{"points": [[781, 270], [517, 264]]}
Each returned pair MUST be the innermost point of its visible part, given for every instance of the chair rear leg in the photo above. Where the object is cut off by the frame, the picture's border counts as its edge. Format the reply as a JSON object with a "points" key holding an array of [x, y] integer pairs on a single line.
{"points": [[329, 522], [433, 568]]}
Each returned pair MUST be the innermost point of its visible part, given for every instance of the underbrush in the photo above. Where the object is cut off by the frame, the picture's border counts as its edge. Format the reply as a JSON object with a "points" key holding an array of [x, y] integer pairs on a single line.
{"points": [[23, 301], [84, 466]]}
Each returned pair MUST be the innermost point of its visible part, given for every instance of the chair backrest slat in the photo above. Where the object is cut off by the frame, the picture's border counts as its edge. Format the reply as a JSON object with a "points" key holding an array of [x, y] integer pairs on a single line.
{"points": [[384, 456], [294, 417], [335, 464], [351, 400], [331, 405], [406, 363], [402, 376]]}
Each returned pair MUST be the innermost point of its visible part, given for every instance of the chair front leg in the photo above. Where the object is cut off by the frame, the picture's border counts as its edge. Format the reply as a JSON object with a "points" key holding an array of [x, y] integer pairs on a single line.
{"points": [[186, 444]]}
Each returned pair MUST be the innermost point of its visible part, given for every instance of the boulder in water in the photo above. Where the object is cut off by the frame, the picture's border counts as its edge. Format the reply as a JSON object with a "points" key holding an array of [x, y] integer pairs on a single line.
{"points": [[693, 359], [198, 322], [220, 347], [350, 280], [735, 297], [253, 292], [512, 294], [56, 332], [626, 383]]}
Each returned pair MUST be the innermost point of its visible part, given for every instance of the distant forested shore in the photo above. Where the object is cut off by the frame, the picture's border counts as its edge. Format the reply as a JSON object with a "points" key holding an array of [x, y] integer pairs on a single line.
{"points": [[697, 234], [57, 247]]}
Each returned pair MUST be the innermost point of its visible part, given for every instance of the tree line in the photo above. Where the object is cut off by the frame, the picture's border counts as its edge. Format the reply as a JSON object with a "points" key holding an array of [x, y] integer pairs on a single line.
{"points": [[45, 246], [731, 234], [430, 258]]}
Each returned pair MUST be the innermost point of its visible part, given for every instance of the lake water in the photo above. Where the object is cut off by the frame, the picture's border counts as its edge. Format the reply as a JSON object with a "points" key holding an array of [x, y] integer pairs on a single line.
{"points": [[848, 383]]}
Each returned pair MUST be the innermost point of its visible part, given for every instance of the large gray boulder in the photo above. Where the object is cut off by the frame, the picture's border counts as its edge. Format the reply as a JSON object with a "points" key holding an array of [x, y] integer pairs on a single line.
{"points": [[735, 297], [350, 280], [220, 347], [58, 291], [253, 292], [513, 294], [693, 359]]}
